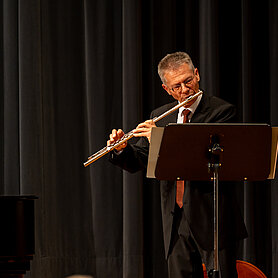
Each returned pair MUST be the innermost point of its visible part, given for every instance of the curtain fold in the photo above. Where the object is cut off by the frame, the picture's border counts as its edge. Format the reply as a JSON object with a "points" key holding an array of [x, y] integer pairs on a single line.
{"points": [[131, 115], [103, 60], [209, 46], [74, 70], [11, 169]]}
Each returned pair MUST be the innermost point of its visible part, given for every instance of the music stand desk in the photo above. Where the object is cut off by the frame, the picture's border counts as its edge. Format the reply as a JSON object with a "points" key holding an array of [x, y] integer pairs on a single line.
{"points": [[226, 152]]}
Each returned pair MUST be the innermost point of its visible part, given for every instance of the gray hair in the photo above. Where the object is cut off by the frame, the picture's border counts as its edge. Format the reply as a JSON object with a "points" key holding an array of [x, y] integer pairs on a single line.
{"points": [[173, 61]]}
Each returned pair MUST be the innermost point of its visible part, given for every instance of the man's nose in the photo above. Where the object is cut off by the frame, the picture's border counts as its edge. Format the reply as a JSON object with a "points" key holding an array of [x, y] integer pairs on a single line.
{"points": [[183, 87]]}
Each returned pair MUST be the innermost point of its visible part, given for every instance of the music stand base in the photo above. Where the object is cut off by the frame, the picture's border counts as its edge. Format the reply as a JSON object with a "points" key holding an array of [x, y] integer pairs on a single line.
{"points": [[213, 274]]}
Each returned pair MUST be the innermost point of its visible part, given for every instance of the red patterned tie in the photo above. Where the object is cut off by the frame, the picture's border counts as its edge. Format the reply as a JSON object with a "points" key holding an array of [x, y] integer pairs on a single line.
{"points": [[180, 183]]}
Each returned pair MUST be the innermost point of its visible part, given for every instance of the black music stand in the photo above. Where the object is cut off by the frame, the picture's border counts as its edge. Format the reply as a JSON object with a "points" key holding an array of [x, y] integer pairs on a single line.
{"points": [[228, 152]]}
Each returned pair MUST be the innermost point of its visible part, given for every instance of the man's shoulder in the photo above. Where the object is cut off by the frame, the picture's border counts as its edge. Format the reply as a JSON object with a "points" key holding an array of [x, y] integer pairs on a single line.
{"points": [[216, 101], [163, 108], [214, 109]]}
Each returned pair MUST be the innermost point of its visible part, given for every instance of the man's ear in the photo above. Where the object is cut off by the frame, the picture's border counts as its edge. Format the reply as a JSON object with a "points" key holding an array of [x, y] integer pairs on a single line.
{"points": [[197, 74], [166, 89]]}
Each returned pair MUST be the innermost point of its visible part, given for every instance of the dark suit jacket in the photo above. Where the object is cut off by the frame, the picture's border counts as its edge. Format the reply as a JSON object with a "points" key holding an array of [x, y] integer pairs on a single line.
{"points": [[198, 196]]}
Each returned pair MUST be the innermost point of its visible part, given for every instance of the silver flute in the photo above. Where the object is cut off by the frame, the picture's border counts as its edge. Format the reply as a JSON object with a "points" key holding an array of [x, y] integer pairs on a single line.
{"points": [[129, 135]]}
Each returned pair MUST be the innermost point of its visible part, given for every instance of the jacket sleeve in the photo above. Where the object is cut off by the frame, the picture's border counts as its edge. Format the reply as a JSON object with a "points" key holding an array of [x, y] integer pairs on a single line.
{"points": [[134, 157]]}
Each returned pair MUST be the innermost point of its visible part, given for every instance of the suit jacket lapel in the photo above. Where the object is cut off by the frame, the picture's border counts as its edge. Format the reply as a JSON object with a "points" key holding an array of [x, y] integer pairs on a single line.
{"points": [[172, 118], [201, 112]]}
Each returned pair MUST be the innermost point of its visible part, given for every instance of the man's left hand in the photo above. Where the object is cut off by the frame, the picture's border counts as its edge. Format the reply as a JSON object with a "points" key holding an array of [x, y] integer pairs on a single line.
{"points": [[144, 129]]}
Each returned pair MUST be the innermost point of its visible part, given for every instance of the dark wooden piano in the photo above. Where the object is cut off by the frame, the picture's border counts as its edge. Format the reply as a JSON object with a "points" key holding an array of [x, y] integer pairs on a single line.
{"points": [[17, 244]]}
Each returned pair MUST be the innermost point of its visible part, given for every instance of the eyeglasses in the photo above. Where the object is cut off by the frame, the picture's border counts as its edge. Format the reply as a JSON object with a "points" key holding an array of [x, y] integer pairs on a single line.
{"points": [[186, 83]]}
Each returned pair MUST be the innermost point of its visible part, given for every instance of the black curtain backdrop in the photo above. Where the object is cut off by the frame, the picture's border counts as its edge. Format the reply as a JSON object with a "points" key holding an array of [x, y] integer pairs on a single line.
{"points": [[73, 70]]}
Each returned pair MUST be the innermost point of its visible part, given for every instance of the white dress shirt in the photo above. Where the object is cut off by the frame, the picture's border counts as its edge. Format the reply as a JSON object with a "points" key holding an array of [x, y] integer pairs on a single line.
{"points": [[192, 109]]}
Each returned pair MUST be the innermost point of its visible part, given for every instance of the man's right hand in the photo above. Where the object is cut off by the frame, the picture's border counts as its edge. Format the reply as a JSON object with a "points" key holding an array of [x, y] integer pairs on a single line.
{"points": [[115, 136]]}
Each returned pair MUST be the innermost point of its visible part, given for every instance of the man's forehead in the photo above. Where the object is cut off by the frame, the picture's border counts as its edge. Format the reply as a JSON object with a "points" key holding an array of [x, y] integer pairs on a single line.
{"points": [[172, 74]]}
